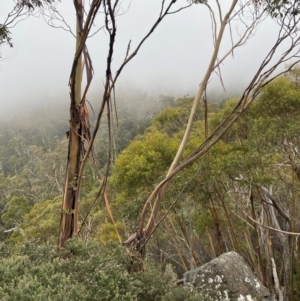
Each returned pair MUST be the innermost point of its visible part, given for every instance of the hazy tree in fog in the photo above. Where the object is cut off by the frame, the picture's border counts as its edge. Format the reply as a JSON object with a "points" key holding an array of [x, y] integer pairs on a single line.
{"points": [[22, 10]]}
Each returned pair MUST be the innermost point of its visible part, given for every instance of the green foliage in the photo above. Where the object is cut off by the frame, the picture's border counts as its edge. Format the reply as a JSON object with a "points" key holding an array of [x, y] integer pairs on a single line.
{"points": [[143, 162], [16, 208], [253, 144], [170, 121], [146, 160], [138, 168], [202, 219], [81, 272], [276, 113], [279, 98], [42, 222], [106, 232]]}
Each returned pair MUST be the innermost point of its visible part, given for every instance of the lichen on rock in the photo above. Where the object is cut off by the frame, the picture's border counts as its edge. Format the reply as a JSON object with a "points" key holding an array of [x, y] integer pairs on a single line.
{"points": [[227, 278]]}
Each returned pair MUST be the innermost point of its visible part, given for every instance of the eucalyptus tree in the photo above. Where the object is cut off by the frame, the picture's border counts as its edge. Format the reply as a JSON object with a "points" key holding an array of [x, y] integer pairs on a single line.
{"points": [[267, 195], [80, 139], [286, 15], [22, 10], [248, 14]]}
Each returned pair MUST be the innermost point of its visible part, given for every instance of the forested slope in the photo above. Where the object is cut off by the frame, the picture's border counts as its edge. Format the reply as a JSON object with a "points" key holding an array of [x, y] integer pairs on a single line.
{"points": [[242, 195]]}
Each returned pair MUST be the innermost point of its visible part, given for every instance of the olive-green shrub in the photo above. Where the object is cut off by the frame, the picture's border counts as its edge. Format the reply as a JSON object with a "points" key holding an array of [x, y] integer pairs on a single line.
{"points": [[81, 272]]}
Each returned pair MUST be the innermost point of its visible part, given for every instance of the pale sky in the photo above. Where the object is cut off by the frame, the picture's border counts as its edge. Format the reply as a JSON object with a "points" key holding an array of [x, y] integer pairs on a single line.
{"points": [[36, 70]]}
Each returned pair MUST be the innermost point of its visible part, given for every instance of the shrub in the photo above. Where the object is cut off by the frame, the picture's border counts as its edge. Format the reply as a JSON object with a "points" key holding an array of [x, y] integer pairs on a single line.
{"points": [[81, 272]]}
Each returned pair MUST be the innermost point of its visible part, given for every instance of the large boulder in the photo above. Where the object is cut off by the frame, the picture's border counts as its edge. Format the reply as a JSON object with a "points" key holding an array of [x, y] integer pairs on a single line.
{"points": [[227, 278]]}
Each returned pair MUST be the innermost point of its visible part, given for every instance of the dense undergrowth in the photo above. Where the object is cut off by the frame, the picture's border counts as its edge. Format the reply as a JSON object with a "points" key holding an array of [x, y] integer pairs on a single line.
{"points": [[81, 272]]}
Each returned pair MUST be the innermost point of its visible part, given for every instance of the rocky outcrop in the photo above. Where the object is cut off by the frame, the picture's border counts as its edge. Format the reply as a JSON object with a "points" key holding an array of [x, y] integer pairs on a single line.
{"points": [[227, 278]]}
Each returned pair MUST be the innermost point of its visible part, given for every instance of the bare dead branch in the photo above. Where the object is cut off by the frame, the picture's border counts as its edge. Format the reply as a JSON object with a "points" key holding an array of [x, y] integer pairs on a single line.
{"points": [[270, 228], [180, 9]]}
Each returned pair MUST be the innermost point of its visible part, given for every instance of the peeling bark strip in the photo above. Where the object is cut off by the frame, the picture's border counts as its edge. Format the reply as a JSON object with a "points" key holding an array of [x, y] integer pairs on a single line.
{"points": [[79, 134]]}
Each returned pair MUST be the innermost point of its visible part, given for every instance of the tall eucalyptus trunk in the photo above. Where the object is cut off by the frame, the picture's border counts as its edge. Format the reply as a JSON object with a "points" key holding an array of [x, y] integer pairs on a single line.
{"points": [[69, 214]]}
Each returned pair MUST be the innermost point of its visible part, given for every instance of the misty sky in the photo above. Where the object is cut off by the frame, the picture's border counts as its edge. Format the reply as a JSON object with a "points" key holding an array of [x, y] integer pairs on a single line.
{"points": [[172, 61]]}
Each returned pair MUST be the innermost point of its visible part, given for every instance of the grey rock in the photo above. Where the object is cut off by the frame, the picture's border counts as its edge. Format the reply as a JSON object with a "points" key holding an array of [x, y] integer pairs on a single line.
{"points": [[227, 278]]}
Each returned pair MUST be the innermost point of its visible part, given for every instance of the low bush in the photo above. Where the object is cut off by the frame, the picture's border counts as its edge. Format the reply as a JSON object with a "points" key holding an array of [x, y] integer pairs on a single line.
{"points": [[81, 272]]}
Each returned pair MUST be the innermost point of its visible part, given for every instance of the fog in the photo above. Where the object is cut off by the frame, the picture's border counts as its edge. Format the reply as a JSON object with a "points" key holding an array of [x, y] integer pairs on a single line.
{"points": [[35, 72]]}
